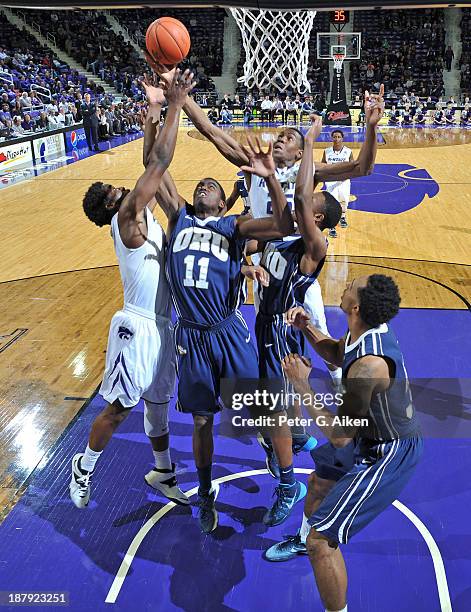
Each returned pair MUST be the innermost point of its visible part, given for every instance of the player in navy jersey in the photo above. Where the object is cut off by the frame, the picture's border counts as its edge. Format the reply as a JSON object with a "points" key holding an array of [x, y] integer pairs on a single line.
{"points": [[346, 494], [212, 340], [294, 264]]}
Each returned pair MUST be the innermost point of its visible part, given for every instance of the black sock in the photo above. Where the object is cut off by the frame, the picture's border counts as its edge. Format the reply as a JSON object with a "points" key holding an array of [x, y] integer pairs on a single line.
{"points": [[204, 477], [287, 475]]}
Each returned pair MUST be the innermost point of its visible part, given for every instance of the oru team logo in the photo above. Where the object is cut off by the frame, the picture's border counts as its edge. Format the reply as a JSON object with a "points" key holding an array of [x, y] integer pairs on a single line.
{"points": [[392, 189], [75, 139]]}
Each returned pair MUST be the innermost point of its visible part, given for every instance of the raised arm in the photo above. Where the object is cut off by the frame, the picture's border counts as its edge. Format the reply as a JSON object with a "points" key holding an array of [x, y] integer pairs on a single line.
{"points": [[281, 222], [224, 143], [314, 241], [166, 194], [162, 151], [228, 146], [364, 164]]}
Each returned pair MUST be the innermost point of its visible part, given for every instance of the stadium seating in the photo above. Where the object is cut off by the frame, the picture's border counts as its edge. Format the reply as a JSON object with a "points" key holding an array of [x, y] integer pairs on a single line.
{"points": [[402, 49], [465, 59]]}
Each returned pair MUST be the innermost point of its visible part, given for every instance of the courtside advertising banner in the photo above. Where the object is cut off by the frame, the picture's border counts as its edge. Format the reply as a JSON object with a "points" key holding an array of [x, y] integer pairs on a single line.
{"points": [[48, 146], [75, 139], [15, 155]]}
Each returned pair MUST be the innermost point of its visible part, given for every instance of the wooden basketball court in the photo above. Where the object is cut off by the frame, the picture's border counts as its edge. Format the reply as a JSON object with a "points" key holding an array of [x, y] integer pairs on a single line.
{"points": [[60, 285]]}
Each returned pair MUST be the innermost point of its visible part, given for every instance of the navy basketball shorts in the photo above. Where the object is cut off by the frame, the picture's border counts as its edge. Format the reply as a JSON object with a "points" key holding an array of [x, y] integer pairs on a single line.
{"points": [[379, 473], [275, 340], [206, 355]]}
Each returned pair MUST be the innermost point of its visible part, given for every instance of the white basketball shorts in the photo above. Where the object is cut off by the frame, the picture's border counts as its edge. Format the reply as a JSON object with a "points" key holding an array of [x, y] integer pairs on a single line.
{"points": [[140, 359], [340, 190], [314, 306]]}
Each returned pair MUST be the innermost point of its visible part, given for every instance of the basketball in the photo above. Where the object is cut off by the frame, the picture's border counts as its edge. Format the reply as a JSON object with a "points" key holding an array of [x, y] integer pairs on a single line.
{"points": [[167, 40]]}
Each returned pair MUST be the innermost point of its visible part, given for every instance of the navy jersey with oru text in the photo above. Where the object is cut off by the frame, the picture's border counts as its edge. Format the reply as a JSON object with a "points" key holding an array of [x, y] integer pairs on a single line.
{"points": [[288, 286], [203, 267], [392, 414]]}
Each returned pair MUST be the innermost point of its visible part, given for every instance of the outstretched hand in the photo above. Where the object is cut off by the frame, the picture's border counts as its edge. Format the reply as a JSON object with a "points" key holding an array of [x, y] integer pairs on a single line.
{"points": [[154, 93], [165, 73], [315, 129], [180, 87], [261, 163], [374, 107]]}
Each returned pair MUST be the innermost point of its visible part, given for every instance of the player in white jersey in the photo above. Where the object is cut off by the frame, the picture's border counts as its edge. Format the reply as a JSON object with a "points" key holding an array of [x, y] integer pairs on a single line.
{"points": [[338, 153], [140, 355]]}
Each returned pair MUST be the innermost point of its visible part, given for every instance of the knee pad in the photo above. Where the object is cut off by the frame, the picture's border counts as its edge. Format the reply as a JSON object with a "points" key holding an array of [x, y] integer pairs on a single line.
{"points": [[155, 419]]}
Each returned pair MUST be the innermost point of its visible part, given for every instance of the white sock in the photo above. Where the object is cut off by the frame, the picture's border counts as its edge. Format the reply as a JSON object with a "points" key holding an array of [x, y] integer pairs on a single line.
{"points": [[336, 374], [162, 459], [305, 529], [90, 457], [342, 610]]}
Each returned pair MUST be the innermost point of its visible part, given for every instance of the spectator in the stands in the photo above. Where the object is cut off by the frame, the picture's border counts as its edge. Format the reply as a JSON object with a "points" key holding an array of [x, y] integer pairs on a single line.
{"points": [[226, 115], [395, 116], [449, 56], [42, 122], [439, 117], [28, 124], [18, 129], [266, 109], [5, 112], [306, 107], [465, 115], [103, 132], [291, 109], [52, 122], [278, 109], [25, 100], [248, 109], [420, 115], [213, 115], [226, 101], [450, 116]]}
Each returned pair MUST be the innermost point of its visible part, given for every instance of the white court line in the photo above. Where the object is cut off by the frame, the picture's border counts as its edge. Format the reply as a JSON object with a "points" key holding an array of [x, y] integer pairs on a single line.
{"points": [[438, 565], [440, 575]]}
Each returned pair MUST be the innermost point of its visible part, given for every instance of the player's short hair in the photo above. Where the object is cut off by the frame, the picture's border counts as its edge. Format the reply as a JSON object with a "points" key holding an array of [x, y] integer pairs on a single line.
{"points": [[379, 300], [223, 193], [94, 205], [332, 211], [301, 135], [338, 132]]}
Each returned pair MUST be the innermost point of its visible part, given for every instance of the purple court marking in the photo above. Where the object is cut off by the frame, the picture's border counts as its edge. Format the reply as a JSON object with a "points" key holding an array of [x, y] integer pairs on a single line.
{"points": [[392, 189], [47, 544]]}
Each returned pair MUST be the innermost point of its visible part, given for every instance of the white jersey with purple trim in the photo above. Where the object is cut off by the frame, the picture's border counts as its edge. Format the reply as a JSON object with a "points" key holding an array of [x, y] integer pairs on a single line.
{"points": [[339, 189], [260, 202], [140, 357], [143, 269]]}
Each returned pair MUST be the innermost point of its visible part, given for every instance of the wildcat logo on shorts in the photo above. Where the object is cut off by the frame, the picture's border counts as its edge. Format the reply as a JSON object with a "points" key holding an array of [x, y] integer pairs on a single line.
{"points": [[124, 333]]}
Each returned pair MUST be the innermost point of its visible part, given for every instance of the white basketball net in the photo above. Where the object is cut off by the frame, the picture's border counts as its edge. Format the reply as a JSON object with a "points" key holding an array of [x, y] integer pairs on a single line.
{"points": [[276, 48], [338, 62]]}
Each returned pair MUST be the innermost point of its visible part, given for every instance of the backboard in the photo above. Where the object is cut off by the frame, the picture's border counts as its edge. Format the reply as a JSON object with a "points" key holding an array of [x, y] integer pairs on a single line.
{"points": [[329, 43]]}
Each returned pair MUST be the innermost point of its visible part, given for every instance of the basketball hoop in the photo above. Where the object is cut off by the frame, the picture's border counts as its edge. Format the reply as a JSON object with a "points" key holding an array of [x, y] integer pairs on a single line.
{"points": [[338, 62], [276, 45]]}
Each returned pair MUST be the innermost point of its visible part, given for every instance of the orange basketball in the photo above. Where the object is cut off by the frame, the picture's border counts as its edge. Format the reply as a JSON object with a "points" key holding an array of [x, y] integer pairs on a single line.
{"points": [[167, 40]]}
